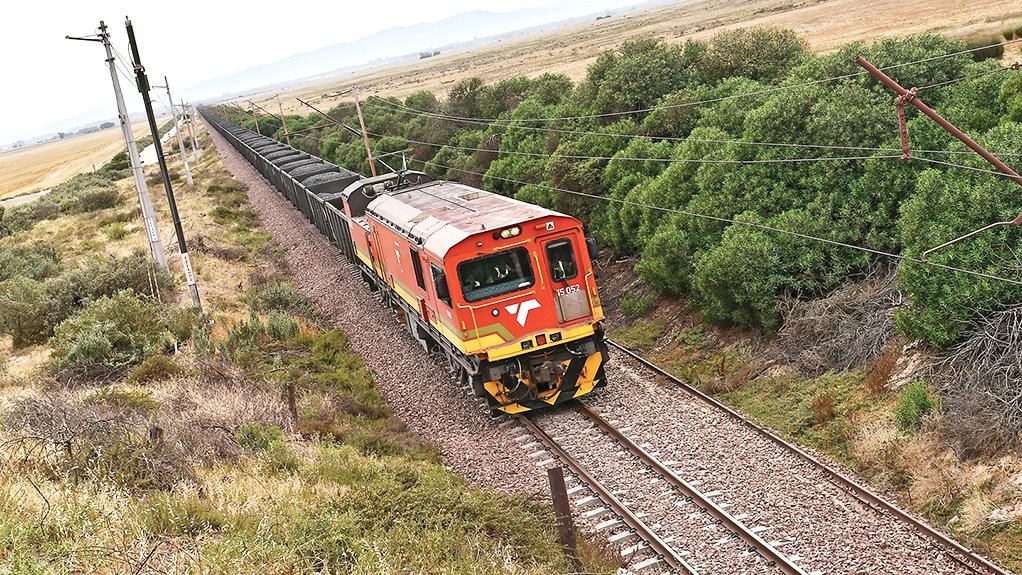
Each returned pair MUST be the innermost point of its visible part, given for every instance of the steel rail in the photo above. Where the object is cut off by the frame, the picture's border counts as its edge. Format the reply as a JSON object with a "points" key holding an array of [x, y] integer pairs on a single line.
{"points": [[669, 555], [767, 551], [956, 550]]}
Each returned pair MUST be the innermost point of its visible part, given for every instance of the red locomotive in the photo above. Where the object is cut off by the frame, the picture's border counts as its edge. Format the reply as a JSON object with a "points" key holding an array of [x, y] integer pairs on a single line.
{"points": [[503, 288]]}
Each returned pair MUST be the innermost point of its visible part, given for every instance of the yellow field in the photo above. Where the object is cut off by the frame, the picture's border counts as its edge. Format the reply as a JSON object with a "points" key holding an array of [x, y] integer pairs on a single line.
{"points": [[40, 167]]}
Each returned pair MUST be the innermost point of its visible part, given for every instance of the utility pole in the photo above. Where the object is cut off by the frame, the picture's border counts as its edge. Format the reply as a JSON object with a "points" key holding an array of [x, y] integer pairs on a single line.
{"points": [[145, 200], [256, 116], [143, 87], [283, 120], [177, 130], [365, 134], [191, 132]]}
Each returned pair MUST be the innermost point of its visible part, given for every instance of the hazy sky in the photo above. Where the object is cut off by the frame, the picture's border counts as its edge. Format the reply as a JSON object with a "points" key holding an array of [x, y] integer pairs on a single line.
{"points": [[48, 78]]}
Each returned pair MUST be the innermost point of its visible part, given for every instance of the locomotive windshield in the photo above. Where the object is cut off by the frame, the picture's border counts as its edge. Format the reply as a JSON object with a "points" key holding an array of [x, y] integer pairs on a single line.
{"points": [[495, 275]]}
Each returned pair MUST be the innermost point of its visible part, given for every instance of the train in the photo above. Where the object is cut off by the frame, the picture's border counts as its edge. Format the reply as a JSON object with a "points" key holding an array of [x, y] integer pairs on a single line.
{"points": [[503, 290]]}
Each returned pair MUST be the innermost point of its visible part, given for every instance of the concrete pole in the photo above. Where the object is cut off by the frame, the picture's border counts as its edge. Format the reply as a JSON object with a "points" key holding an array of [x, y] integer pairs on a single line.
{"points": [[143, 88], [191, 132], [180, 141], [145, 200]]}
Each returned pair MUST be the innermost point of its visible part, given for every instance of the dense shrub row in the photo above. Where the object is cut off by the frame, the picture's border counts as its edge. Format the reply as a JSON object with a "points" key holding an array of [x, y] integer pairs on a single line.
{"points": [[682, 129], [31, 308]]}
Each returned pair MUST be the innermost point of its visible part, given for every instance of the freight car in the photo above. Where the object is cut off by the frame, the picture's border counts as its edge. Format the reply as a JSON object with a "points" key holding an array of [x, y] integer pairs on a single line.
{"points": [[503, 290]]}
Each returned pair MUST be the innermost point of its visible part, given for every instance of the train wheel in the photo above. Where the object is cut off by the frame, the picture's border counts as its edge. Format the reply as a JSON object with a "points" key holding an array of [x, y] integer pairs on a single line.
{"points": [[477, 385]]}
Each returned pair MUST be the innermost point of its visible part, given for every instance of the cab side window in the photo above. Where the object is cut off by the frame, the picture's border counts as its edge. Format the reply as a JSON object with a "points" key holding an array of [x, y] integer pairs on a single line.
{"points": [[440, 284], [560, 255]]}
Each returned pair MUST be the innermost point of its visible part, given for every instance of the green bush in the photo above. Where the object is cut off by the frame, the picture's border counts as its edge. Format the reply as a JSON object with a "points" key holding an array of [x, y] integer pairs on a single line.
{"points": [[278, 296], [36, 261], [985, 47], [115, 231], [155, 368], [182, 321], [914, 403], [245, 340], [635, 307], [281, 326], [258, 437], [96, 200], [115, 331], [202, 339], [756, 53], [25, 311], [180, 516], [736, 282], [98, 277], [118, 162]]}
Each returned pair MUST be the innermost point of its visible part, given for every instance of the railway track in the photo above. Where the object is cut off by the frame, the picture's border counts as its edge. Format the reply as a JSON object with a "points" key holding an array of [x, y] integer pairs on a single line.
{"points": [[961, 554], [659, 551]]}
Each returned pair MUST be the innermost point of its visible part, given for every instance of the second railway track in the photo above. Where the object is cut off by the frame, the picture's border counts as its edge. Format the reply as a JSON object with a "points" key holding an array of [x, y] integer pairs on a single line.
{"points": [[964, 557]]}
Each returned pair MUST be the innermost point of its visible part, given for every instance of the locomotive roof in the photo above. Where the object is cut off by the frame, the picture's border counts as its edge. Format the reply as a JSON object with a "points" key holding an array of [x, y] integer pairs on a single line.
{"points": [[440, 214]]}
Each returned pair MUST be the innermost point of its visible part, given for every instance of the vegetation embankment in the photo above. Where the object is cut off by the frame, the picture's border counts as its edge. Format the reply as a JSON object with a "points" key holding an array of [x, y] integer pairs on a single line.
{"points": [[758, 186], [141, 435]]}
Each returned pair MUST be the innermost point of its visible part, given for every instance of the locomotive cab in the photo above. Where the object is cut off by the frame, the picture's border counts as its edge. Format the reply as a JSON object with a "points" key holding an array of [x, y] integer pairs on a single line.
{"points": [[528, 297]]}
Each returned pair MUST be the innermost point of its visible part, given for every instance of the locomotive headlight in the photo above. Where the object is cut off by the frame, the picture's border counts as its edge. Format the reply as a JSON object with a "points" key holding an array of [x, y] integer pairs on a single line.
{"points": [[495, 312], [511, 232]]}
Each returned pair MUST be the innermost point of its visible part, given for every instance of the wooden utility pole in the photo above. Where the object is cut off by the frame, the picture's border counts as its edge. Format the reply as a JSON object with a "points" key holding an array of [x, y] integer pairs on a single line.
{"points": [[365, 134], [145, 200], [256, 116], [283, 120], [177, 130], [143, 87]]}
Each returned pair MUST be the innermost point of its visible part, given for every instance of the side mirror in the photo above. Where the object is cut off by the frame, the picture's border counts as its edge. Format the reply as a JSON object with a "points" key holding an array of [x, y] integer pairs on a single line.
{"points": [[440, 284], [442, 290], [591, 246]]}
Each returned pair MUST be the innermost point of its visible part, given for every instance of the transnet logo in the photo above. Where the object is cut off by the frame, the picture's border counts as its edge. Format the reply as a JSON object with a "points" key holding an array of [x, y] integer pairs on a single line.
{"points": [[522, 310]]}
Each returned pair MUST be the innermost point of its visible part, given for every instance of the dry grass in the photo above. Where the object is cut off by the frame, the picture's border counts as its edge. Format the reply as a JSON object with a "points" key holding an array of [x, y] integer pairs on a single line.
{"points": [[570, 50], [40, 167]]}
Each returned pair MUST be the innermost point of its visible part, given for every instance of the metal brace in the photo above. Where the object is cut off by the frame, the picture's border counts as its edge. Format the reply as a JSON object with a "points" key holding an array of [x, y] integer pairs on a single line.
{"points": [[906, 153]]}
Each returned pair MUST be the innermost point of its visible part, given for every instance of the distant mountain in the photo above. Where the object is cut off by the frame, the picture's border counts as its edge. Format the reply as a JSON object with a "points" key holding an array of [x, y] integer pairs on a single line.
{"points": [[401, 41]]}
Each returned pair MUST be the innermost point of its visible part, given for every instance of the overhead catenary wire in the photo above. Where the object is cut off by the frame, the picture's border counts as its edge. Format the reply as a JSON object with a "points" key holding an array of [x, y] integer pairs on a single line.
{"points": [[999, 70], [764, 227], [648, 159], [679, 139], [964, 167]]}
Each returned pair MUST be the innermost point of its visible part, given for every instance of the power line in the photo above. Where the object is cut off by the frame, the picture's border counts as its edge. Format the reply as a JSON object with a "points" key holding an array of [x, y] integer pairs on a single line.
{"points": [[764, 227], [680, 139], [964, 167], [997, 70], [654, 159]]}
